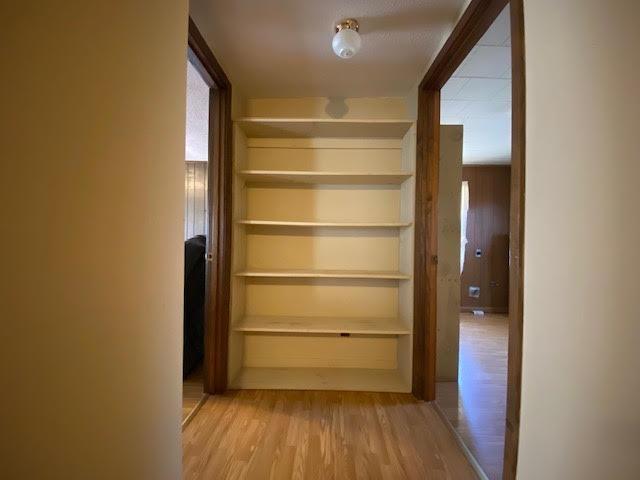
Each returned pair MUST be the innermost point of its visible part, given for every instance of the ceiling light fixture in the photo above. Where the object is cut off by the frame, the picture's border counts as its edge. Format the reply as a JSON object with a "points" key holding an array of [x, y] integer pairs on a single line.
{"points": [[346, 42]]}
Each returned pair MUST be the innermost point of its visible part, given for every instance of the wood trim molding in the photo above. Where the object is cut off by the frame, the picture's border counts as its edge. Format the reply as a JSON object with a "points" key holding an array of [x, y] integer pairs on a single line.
{"points": [[475, 21], [478, 17], [516, 241], [206, 64], [216, 328], [426, 245]]}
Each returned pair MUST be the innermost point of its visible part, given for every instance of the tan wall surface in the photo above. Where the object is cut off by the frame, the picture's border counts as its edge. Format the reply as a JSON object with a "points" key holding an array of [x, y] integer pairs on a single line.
{"points": [[320, 107], [93, 122], [581, 381], [450, 184]]}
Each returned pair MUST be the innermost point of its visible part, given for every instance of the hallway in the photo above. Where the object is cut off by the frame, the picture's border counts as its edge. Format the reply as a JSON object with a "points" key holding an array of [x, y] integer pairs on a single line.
{"points": [[255, 434]]}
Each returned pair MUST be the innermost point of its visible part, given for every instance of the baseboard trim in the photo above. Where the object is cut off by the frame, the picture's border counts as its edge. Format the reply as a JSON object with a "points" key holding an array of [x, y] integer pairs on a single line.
{"points": [[504, 310], [467, 453], [193, 412]]}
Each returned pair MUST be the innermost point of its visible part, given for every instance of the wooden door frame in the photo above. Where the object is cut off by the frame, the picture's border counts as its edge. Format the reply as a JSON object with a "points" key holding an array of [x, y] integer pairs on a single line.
{"points": [[218, 276], [475, 21]]}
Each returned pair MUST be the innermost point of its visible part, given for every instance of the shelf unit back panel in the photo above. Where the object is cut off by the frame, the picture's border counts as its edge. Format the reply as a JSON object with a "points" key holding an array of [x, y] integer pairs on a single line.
{"points": [[352, 157], [322, 298], [373, 203], [326, 351], [333, 250]]}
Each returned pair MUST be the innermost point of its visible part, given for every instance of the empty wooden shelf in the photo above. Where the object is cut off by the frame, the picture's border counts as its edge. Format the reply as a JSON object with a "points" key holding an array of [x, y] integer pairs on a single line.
{"points": [[354, 379], [295, 273], [323, 127], [322, 291], [369, 326], [261, 177], [281, 223]]}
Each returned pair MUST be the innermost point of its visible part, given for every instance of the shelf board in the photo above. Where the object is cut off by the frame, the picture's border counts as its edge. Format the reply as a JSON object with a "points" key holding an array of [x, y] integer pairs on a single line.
{"points": [[279, 223], [368, 326], [297, 273], [345, 379], [329, 178], [323, 127]]}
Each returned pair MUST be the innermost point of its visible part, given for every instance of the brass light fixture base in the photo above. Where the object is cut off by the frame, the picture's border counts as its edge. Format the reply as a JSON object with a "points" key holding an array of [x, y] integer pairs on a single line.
{"points": [[349, 23]]}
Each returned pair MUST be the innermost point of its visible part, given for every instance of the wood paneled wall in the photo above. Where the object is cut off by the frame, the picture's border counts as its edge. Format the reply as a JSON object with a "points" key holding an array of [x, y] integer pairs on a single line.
{"points": [[488, 230], [196, 213]]}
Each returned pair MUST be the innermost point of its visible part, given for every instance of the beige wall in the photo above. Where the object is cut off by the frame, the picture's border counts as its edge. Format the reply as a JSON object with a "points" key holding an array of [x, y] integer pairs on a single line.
{"points": [[91, 200], [581, 380], [321, 107], [448, 287]]}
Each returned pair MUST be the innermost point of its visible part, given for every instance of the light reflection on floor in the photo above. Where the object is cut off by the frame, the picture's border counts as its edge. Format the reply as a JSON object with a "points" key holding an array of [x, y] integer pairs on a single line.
{"points": [[476, 405]]}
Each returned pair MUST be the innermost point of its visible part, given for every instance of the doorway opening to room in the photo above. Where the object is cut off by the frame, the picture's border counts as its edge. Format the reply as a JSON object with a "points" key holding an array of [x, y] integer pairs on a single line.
{"points": [[196, 230], [473, 261], [207, 225], [471, 175]]}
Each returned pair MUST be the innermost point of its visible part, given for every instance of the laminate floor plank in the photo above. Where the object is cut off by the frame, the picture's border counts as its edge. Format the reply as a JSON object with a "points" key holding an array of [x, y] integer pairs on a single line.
{"points": [[476, 404], [328, 435], [192, 392]]}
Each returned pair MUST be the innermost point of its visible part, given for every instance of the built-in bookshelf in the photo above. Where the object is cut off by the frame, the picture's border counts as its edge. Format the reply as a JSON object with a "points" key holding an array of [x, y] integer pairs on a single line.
{"points": [[322, 288]]}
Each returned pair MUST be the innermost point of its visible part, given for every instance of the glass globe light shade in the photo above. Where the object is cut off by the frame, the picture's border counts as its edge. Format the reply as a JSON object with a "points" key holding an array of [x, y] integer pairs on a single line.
{"points": [[346, 43]]}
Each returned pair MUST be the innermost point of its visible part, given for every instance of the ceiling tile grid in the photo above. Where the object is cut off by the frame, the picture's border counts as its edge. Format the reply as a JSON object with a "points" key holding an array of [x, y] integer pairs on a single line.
{"points": [[478, 96]]}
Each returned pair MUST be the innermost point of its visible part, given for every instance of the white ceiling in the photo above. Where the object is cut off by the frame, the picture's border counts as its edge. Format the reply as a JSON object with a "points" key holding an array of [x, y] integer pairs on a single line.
{"points": [[282, 48], [197, 116], [478, 96]]}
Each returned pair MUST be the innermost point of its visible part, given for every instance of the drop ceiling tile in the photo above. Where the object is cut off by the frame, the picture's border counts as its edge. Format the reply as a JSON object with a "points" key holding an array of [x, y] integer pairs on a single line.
{"points": [[452, 108], [499, 31], [503, 95], [482, 88], [485, 62], [507, 73], [485, 109], [452, 87]]}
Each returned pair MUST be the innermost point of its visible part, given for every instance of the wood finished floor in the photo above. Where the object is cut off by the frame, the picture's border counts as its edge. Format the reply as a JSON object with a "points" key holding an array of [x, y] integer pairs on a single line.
{"points": [[192, 392], [476, 405], [267, 434]]}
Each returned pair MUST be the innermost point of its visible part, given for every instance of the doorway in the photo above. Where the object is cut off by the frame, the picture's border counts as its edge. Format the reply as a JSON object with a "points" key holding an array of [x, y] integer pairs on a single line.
{"points": [[208, 173], [196, 229], [473, 25]]}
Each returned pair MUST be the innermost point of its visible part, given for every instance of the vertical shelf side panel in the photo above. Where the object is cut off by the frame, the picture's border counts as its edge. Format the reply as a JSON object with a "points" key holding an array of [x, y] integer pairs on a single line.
{"points": [[406, 253], [238, 255]]}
